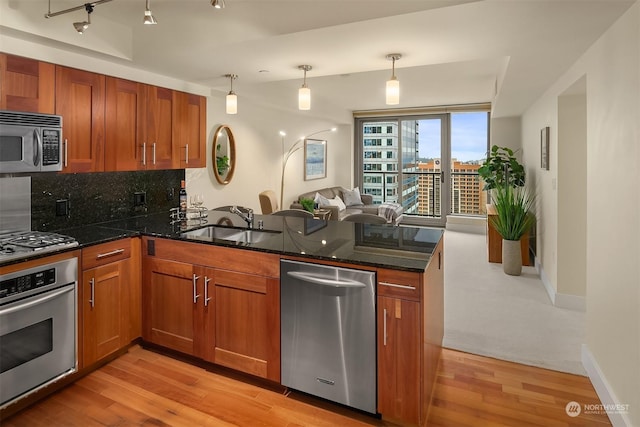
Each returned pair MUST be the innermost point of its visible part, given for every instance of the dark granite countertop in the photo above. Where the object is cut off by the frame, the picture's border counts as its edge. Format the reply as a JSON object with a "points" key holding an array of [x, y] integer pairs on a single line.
{"points": [[404, 248]]}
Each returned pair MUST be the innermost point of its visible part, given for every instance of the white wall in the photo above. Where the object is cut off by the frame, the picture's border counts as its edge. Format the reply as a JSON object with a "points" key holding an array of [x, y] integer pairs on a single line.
{"points": [[612, 69], [259, 154], [572, 192], [506, 132]]}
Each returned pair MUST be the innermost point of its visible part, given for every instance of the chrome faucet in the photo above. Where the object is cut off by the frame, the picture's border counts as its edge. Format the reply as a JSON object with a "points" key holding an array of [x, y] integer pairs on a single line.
{"points": [[247, 216]]}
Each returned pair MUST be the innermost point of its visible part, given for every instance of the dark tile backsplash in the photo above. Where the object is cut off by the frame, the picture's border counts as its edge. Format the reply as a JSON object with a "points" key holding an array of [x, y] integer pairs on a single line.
{"points": [[99, 197]]}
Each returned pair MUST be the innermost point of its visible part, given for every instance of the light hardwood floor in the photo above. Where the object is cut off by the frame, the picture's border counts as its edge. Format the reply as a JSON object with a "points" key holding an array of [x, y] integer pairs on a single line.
{"points": [[144, 388]]}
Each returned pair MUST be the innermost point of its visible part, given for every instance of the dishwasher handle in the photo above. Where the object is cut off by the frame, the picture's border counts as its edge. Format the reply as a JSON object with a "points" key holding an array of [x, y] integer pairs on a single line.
{"points": [[344, 283]]}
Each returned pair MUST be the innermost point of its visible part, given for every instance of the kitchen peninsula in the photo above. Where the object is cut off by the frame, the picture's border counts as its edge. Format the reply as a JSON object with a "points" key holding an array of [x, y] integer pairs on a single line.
{"points": [[218, 300]]}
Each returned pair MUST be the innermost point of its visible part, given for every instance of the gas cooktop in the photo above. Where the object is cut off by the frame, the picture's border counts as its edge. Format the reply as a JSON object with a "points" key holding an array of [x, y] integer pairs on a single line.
{"points": [[23, 244]]}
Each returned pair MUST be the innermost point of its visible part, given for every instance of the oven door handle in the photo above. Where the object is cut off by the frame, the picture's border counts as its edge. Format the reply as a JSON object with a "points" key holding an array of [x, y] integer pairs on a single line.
{"points": [[33, 302]]}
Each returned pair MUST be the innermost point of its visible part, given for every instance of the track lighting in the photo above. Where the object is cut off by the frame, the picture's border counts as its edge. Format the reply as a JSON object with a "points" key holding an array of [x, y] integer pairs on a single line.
{"points": [[79, 26], [148, 16], [232, 98], [218, 4], [393, 85], [82, 26], [304, 93]]}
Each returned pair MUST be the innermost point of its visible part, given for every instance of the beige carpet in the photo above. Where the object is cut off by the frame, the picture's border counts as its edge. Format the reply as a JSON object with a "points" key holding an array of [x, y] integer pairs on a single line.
{"points": [[507, 317]]}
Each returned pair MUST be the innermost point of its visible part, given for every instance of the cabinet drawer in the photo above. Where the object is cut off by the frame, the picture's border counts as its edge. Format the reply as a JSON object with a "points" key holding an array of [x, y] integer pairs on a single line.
{"points": [[106, 253], [399, 284]]}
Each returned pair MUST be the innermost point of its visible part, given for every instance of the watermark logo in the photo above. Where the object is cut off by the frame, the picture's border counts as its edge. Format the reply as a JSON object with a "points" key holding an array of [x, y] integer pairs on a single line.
{"points": [[573, 409]]}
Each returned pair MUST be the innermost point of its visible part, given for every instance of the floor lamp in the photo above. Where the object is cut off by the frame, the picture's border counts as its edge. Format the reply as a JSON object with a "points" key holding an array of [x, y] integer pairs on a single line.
{"points": [[285, 156]]}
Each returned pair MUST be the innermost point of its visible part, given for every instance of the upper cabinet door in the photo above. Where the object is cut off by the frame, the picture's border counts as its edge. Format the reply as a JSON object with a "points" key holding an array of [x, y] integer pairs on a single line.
{"points": [[125, 149], [158, 127], [189, 140], [27, 85], [80, 100]]}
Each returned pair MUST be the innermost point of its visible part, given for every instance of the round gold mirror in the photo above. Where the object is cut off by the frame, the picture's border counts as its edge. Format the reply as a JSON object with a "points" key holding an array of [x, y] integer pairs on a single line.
{"points": [[224, 154]]}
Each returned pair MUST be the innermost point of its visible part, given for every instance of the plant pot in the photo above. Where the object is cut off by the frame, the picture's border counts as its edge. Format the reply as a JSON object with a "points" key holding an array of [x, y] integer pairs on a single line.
{"points": [[511, 257]]}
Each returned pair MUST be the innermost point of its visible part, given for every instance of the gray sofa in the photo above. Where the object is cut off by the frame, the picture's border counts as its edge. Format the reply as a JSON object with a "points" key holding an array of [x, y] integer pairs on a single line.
{"points": [[366, 205]]}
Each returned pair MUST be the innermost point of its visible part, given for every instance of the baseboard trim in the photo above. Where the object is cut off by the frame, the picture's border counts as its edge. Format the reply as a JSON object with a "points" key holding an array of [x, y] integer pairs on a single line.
{"points": [[570, 302], [603, 389]]}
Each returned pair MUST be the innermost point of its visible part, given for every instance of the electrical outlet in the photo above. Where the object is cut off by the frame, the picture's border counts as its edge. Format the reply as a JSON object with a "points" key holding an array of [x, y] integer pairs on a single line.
{"points": [[170, 194], [139, 198], [62, 207]]}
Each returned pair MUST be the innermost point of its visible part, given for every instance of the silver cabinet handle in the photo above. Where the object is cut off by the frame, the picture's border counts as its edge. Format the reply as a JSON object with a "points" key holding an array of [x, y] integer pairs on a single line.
{"points": [[92, 283], [66, 152], [144, 154], [395, 285], [195, 288], [108, 254], [206, 291], [345, 283], [153, 153], [186, 154], [384, 328]]}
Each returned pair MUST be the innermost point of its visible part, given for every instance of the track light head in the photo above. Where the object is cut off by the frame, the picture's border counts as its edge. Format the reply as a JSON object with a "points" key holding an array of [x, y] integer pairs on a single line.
{"points": [[82, 26], [148, 16]]}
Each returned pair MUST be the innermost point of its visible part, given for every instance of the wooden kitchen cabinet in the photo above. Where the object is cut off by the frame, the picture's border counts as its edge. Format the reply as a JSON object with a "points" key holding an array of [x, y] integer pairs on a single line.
{"points": [[189, 130], [109, 302], [246, 321], [139, 122], [110, 124], [158, 127], [170, 305], [399, 359], [27, 84], [410, 330], [124, 118], [219, 304], [80, 100]]}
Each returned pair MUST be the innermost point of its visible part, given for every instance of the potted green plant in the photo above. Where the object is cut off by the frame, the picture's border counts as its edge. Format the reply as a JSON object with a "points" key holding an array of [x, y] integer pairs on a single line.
{"points": [[501, 167], [514, 218], [307, 204]]}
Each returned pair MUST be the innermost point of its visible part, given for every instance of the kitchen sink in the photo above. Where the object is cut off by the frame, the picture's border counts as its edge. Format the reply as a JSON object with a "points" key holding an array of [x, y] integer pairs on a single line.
{"points": [[237, 235]]}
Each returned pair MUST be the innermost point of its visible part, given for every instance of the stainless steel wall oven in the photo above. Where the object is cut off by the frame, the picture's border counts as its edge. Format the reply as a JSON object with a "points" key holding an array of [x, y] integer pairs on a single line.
{"points": [[38, 327]]}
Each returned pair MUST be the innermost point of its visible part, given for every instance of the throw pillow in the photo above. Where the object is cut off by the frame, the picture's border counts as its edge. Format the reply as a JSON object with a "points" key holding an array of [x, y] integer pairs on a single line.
{"points": [[352, 197], [337, 202], [321, 200]]}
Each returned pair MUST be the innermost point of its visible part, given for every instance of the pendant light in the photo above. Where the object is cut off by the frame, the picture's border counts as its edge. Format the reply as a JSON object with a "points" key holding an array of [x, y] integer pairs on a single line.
{"points": [[232, 98], [304, 93], [393, 85], [148, 16]]}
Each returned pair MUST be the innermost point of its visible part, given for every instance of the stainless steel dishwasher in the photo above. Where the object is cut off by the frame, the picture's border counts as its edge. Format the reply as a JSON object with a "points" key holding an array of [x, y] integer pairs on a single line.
{"points": [[328, 328]]}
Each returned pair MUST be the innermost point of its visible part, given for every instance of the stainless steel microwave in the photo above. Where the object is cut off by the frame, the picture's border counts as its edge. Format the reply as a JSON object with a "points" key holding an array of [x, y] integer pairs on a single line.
{"points": [[30, 142]]}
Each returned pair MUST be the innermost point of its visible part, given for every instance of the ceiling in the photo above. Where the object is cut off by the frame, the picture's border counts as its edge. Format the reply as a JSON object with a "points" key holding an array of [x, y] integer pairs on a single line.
{"points": [[453, 51]]}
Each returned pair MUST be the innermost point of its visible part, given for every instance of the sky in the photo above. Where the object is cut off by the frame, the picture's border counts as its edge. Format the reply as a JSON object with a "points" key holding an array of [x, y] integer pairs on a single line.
{"points": [[468, 137]]}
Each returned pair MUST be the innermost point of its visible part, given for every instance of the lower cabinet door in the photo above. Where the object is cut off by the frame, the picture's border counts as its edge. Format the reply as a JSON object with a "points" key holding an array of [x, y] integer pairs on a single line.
{"points": [[170, 298], [105, 310], [245, 323], [399, 375]]}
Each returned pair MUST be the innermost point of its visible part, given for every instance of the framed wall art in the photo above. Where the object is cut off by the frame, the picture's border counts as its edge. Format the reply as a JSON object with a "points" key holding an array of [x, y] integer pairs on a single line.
{"points": [[544, 148], [315, 159]]}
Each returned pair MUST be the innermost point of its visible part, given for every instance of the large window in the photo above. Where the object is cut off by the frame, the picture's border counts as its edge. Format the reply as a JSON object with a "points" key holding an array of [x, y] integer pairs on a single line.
{"points": [[408, 164]]}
